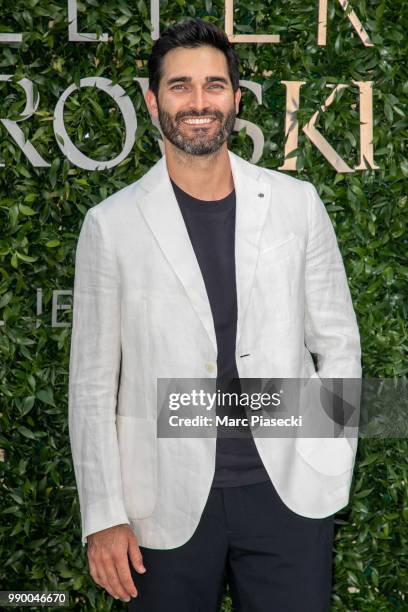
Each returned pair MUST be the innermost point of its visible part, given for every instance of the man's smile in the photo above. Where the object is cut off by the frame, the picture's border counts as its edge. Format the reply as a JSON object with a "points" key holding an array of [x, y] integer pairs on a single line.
{"points": [[198, 120]]}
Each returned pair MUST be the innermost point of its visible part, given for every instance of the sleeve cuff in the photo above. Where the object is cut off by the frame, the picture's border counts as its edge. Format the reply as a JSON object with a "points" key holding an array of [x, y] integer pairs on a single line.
{"points": [[101, 515]]}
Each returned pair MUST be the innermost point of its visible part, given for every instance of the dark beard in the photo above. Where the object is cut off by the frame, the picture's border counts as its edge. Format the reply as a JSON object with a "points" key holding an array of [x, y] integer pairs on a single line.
{"points": [[200, 144]]}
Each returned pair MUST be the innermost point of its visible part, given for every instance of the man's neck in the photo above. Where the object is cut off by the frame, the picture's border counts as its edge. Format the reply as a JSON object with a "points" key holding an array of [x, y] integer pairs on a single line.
{"points": [[206, 177]]}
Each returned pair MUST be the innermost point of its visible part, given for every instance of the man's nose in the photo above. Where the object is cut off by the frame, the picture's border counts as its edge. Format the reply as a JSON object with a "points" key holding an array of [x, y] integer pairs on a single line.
{"points": [[199, 99]]}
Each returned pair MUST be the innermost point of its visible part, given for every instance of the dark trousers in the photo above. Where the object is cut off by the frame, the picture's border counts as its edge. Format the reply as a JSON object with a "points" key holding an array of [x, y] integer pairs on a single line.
{"points": [[273, 559]]}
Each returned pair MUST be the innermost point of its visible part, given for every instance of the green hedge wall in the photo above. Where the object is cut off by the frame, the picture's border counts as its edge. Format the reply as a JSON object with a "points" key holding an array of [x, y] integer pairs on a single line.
{"points": [[41, 210]]}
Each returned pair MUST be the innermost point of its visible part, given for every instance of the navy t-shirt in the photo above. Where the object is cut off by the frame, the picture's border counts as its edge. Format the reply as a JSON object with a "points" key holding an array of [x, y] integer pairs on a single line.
{"points": [[211, 227]]}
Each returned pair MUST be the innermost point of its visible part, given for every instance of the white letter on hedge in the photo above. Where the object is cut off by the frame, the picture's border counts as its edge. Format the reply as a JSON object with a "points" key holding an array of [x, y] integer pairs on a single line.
{"points": [[354, 20], [8, 37], [73, 35], [244, 38], [320, 142], [366, 126], [252, 130], [155, 18], [66, 145], [11, 126]]}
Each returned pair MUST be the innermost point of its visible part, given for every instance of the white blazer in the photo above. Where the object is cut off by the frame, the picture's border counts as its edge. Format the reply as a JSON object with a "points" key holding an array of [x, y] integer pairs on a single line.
{"points": [[141, 312]]}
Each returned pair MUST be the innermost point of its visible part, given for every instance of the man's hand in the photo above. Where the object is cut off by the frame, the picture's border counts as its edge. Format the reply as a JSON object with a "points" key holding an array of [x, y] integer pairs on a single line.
{"points": [[108, 561]]}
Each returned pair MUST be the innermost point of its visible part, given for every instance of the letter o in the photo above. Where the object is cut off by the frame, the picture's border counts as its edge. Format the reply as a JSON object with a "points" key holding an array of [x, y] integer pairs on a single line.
{"points": [[126, 107]]}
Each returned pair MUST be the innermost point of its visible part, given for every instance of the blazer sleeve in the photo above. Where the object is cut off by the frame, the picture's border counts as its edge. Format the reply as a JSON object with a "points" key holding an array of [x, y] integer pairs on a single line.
{"points": [[331, 330], [93, 379]]}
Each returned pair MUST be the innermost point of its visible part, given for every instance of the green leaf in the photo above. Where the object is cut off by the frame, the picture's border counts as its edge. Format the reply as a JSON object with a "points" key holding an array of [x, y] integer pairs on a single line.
{"points": [[27, 433], [26, 210], [121, 21], [46, 396], [404, 167], [28, 403], [26, 258]]}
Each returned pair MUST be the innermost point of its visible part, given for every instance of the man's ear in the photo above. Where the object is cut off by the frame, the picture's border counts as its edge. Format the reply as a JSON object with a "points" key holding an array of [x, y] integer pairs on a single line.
{"points": [[151, 103], [237, 97]]}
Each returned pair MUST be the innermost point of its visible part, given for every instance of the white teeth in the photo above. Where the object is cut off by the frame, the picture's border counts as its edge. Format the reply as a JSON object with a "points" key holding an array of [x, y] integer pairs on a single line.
{"points": [[197, 121]]}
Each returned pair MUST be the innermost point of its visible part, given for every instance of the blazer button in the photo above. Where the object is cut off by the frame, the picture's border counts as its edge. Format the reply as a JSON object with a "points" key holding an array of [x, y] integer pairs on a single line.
{"points": [[210, 367]]}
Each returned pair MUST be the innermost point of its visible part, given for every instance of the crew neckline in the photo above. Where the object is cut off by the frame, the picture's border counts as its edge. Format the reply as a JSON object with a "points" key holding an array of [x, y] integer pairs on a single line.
{"points": [[203, 202]]}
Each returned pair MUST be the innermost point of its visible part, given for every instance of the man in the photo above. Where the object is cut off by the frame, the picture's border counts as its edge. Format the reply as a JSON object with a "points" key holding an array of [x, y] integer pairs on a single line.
{"points": [[206, 267]]}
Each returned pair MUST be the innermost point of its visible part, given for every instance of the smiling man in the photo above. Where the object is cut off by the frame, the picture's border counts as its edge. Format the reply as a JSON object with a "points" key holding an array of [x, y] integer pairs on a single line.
{"points": [[208, 131], [206, 267]]}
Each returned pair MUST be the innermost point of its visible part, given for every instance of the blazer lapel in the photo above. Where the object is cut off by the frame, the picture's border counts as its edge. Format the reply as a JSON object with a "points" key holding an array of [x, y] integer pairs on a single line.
{"points": [[162, 213], [252, 203]]}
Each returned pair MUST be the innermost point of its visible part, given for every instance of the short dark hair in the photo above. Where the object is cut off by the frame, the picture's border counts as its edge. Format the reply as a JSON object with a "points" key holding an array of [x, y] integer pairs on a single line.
{"points": [[191, 33]]}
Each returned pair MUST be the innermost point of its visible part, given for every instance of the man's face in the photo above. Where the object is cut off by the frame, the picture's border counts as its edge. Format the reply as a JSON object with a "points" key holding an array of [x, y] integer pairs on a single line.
{"points": [[196, 105]]}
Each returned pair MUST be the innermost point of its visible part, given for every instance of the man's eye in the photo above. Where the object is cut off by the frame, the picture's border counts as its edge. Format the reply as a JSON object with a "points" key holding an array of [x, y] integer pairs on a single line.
{"points": [[214, 85]]}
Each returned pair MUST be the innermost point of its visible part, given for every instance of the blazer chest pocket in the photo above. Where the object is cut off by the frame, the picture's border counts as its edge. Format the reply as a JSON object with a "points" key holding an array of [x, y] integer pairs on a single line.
{"points": [[278, 274], [137, 439], [280, 250]]}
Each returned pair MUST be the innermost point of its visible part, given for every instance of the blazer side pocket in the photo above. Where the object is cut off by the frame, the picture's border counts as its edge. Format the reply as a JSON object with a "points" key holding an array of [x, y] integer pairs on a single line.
{"points": [[137, 439], [329, 456]]}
